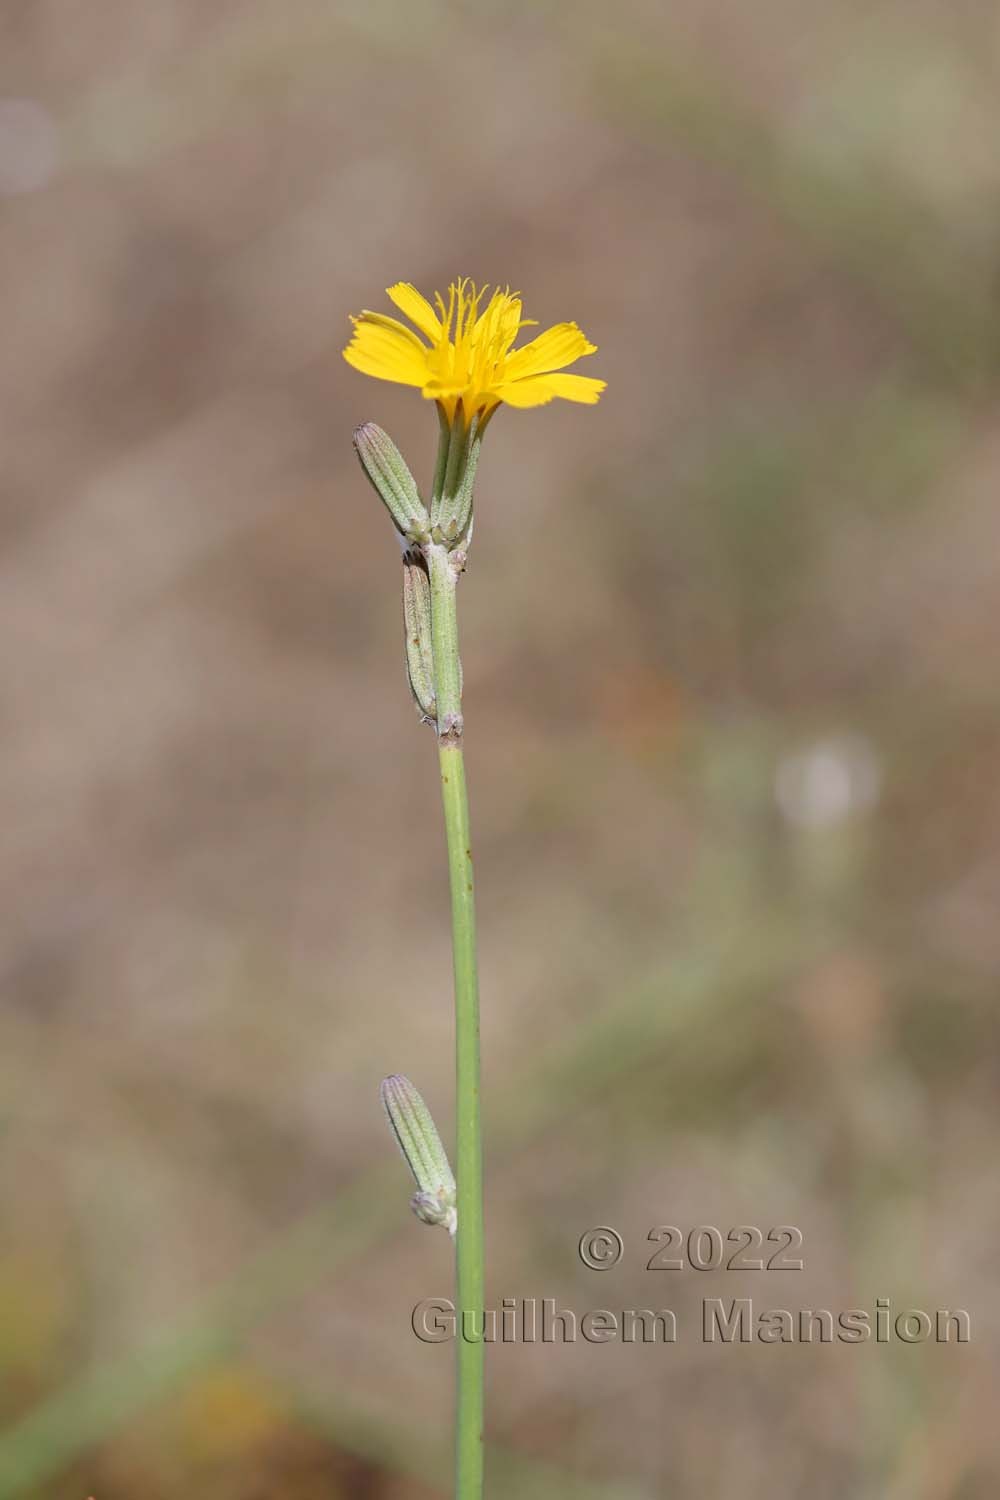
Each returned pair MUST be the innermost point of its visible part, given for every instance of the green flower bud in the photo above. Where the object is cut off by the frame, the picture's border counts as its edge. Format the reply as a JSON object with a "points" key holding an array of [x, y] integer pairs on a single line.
{"points": [[392, 481], [417, 634], [417, 1138]]}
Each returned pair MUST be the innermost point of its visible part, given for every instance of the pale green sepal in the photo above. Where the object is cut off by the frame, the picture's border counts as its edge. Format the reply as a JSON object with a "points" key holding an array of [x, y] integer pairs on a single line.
{"points": [[451, 503], [418, 1139], [392, 481]]}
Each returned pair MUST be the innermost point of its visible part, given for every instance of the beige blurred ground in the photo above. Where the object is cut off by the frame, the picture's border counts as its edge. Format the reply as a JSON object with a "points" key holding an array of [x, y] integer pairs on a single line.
{"points": [[734, 723]]}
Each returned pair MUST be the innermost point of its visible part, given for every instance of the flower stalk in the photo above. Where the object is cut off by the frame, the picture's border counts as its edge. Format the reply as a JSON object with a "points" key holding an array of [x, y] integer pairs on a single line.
{"points": [[462, 357], [433, 560], [469, 1257]]}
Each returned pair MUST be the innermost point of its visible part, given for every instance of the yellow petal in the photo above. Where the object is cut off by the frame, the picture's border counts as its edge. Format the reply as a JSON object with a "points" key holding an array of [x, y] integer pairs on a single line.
{"points": [[381, 320], [502, 312], [417, 309], [536, 390], [388, 352], [444, 390], [551, 350]]}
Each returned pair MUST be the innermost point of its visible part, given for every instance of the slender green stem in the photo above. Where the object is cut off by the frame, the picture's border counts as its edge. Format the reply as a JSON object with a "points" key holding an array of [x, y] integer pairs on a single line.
{"points": [[469, 1239]]}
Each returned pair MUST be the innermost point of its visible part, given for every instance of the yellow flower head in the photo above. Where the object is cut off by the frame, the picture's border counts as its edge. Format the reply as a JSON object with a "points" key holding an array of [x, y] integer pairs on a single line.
{"points": [[467, 360]]}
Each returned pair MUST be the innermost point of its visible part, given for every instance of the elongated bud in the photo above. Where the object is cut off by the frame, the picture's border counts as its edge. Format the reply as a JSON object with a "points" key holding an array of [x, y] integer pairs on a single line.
{"points": [[417, 1138], [392, 481], [417, 634], [451, 504]]}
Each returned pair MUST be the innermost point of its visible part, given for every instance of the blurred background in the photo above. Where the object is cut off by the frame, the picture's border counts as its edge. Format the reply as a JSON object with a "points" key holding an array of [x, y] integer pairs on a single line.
{"points": [[733, 726]]}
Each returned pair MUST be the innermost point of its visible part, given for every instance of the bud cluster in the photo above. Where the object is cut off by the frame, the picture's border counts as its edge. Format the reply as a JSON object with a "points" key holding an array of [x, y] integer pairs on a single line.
{"points": [[446, 525]]}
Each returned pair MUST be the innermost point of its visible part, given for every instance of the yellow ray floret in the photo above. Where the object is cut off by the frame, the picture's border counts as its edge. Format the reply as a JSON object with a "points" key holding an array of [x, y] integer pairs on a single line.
{"points": [[463, 354]]}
